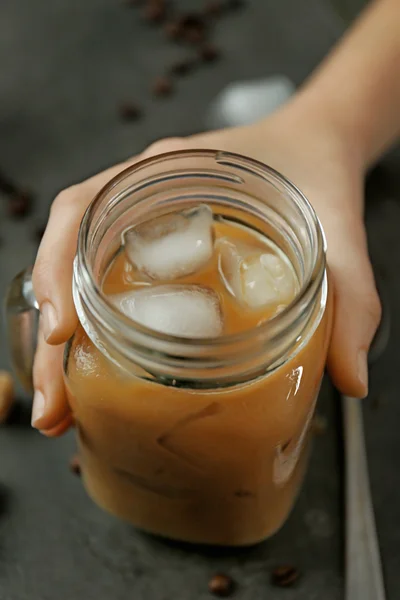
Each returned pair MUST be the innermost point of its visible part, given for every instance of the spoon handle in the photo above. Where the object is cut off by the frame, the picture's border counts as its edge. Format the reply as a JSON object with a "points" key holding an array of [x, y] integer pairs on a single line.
{"points": [[364, 579]]}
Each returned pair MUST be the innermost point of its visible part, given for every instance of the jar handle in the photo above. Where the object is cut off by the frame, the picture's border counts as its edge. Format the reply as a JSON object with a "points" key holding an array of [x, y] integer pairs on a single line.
{"points": [[22, 320]]}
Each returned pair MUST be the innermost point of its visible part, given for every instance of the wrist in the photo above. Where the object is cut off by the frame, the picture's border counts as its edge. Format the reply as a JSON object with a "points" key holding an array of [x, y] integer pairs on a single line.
{"points": [[320, 110]]}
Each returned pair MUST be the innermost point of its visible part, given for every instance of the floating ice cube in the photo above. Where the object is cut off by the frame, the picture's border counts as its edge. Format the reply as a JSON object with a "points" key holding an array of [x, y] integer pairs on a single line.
{"points": [[191, 311], [173, 245], [254, 277]]}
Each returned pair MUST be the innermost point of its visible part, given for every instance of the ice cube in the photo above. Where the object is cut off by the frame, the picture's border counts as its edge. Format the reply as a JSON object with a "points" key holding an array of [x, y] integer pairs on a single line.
{"points": [[245, 102], [173, 245], [191, 311], [256, 278]]}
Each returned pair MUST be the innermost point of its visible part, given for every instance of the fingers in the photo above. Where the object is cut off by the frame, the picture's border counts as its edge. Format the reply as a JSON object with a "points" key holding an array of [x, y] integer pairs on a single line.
{"points": [[52, 280], [52, 274], [50, 412], [357, 313]]}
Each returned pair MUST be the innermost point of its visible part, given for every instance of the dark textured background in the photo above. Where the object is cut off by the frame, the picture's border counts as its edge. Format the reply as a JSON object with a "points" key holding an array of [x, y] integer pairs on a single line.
{"points": [[65, 67]]}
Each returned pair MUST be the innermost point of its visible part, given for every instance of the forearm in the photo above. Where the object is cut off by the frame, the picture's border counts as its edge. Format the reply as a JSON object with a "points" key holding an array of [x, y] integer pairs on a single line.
{"points": [[358, 86]]}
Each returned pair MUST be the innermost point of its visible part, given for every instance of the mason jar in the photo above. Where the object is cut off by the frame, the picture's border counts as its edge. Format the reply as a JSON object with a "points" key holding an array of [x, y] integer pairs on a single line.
{"points": [[202, 440]]}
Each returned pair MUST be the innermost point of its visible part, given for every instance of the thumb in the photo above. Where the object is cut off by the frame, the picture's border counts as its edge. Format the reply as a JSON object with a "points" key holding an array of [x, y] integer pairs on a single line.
{"points": [[357, 312]]}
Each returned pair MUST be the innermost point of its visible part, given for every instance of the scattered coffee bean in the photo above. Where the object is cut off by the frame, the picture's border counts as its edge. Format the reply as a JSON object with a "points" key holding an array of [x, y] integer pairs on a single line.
{"points": [[221, 585], [213, 8], [75, 465], [173, 30], [193, 28], [182, 67], [319, 425], [162, 86], [194, 36], [129, 112], [154, 11], [20, 204], [209, 53], [6, 395], [285, 576]]}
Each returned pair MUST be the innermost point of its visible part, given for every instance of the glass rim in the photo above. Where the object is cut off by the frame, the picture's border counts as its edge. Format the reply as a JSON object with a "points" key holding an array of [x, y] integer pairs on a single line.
{"points": [[279, 322]]}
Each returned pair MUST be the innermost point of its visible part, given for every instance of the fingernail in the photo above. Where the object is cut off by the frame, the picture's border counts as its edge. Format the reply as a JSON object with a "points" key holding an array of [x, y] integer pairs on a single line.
{"points": [[39, 404], [363, 370], [49, 319]]}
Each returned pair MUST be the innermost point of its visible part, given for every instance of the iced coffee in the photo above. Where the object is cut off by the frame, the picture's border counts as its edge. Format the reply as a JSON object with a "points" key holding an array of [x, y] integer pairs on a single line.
{"points": [[202, 458]]}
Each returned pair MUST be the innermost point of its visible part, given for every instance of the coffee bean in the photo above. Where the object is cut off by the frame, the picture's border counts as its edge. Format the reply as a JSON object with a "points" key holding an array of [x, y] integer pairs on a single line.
{"points": [[285, 576], [183, 67], [194, 36], [209, 53], [129, 112], [193, 28], [213, 8], [162, 86], [20, 204], [75, 465], [173, 30], [194, 20], [154, 12], [221, 585]]}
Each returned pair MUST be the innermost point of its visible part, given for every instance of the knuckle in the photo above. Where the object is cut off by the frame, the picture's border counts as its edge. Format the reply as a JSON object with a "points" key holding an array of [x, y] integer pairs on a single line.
{"points": [[40, 369], [65, 198], [369, 305], [40, 276], [373, 307], [358, 291], [165, 145], [38, 375]]}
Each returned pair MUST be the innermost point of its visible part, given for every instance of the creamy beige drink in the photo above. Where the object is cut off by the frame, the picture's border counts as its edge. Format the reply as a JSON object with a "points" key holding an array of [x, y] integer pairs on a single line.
{"points": [[204, 463]]}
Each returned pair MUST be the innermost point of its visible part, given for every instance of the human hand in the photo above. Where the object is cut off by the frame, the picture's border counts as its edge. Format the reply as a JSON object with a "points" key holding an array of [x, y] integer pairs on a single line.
{"points": [[304, 146]]}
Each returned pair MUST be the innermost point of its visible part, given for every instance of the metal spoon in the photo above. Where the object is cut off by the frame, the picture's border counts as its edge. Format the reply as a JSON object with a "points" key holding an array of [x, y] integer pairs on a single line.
{"points": [[364, 578]]}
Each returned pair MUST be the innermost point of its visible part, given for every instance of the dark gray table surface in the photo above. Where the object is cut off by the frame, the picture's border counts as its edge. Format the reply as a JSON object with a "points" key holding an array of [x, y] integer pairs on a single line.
{"points": [[65, 68]]}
